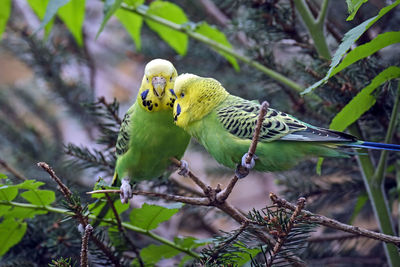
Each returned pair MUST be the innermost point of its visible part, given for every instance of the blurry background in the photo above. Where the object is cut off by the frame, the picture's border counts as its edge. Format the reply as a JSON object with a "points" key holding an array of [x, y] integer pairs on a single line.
{"points": [[45, 82]]}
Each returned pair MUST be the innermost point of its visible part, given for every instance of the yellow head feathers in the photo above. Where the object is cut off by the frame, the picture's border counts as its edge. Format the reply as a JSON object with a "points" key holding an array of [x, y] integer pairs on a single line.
{"points": [[196, 97], [156, 91]]}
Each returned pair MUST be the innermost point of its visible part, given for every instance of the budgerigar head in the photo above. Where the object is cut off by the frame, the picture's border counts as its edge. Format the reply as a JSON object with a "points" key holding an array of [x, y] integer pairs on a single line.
{"points": [[196, 97], [156, 91]]}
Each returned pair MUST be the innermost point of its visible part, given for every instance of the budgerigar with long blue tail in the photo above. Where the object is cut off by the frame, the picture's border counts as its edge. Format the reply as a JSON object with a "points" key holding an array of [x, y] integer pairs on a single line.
{"points": [[224, 125]]}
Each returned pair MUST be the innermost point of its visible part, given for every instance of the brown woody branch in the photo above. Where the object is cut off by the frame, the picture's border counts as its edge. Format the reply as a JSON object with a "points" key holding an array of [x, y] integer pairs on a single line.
{"points": [[85, 245], [322, 220], [78, 210], [12, 170]]}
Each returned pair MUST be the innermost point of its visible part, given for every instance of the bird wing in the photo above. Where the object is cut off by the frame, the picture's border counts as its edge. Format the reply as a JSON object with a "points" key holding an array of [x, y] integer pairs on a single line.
{"points": [[239, 117], [124, 134]]}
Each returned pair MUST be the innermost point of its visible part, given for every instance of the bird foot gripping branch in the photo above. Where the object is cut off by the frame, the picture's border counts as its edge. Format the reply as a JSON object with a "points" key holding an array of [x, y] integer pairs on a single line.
{"points": [[126, 190], [184, 168]]}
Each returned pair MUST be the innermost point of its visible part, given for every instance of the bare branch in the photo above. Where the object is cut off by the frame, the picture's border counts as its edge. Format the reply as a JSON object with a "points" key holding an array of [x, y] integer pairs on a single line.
{"points": [[62, 187], [78, 211], [322, 220], [85, 245], [195, 179], [12, 170]]}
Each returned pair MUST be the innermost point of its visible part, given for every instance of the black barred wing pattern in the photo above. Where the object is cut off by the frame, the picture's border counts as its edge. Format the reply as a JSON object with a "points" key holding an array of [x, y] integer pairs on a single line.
{"points": [[239, 117], [124, 135]]}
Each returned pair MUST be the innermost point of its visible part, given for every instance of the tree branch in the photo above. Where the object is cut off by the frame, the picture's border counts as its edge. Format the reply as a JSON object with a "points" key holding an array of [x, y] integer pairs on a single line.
{"points": [[12, 170], [322, 220]]}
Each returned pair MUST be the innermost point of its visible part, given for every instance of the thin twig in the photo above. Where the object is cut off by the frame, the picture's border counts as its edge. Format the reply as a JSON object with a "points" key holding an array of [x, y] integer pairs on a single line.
{"points": [[281, 239], [78, 212], [322, 220], [250, 154], [195, 179], [122, 229], [62, 187], [85, 245], [332, 237], [12, 170]]}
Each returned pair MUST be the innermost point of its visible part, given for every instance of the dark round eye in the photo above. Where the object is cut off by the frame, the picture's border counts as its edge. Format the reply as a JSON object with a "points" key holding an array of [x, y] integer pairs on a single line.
{"points": [[170, 79], [147, 79], [182, 94]]}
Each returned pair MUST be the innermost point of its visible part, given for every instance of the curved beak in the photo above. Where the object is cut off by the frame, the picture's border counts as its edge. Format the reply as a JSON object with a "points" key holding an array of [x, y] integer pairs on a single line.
{"points": [[158, 83]]}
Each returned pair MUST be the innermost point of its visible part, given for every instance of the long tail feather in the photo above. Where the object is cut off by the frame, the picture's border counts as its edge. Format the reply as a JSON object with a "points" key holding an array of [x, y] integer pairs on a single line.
{"points": [[373, 145]]}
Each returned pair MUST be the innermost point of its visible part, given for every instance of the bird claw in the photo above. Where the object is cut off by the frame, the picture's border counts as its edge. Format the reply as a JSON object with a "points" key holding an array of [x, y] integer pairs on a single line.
{"points": [[251, 164], [184, 168], [126, 191], [242, 170]]}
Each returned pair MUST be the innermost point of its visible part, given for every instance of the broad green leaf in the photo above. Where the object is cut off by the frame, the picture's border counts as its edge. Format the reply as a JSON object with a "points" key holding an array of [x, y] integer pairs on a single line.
{"points": [[169, 11], [4, 209], [23, 213], [219, 37], [29, 185], [8, 193], [353, 6], [5, 11], [39, 7], [39, 197], [361, 201], [153, 253], [367, 49], [110, 6], [348, 40], [11, 232], [363, 101], [51, 11], [73, 15], [3, 176], [150, 216], [132, 23]]}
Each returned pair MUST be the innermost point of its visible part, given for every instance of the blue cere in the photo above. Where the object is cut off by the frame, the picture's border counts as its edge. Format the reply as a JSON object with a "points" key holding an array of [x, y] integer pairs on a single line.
{"points": [[172, 92], [144, 94]]}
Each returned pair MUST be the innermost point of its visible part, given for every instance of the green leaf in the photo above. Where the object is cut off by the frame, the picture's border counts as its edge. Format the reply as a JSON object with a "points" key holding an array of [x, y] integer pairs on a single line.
{"points": [[363, 101], [361, 201], [150, 216], [5, 11], [28, 185], [8, 193], [51, 11], [153, 253], [3, 176], [319, 165], [39, 7], [39, 197], [4, 209], [353, 6], [132, 23], [110, 6], [169, 11], [11, 232], [348, 40], [23, 213], [219, 37], [367, 49], [73, 15]]}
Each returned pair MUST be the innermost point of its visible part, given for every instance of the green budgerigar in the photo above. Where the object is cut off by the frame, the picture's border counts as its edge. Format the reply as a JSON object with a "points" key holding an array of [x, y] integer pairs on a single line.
{"points": [[148, 137], [224, 125]]}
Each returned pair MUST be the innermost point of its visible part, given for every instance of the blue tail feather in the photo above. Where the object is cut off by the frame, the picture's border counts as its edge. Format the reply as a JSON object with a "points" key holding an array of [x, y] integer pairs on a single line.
{"points": [[373, 145]]}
